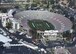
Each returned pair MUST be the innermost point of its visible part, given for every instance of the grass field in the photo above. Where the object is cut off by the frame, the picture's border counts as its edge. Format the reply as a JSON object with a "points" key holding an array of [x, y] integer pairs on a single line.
{"points": [[40, 25]]}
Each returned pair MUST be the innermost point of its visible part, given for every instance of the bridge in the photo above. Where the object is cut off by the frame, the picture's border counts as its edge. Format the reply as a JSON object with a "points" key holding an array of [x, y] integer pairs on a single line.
{"points": [[26, 44], [7, 5], [13, 4]]}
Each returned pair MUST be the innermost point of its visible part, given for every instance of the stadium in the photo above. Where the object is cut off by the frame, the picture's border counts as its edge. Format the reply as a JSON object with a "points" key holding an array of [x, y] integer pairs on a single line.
{"points": [[43, 20]]}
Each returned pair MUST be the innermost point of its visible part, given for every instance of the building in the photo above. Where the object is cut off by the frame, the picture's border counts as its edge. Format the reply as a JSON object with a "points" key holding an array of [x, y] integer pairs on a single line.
{"points": [[51, 35], [64, 3], [5, 19], [15, 23], [4, 39]]}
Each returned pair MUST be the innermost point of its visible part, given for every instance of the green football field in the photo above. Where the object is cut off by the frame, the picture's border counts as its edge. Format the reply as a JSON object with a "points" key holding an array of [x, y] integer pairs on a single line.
{"points": [[40, 25]]}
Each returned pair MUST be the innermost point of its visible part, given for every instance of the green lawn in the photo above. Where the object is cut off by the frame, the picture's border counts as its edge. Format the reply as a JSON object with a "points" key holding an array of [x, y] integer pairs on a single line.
{"points": [[40, 25]]}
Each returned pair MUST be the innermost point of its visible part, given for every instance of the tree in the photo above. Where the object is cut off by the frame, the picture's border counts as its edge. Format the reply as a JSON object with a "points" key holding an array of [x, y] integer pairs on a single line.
{"points": [[8, 25], [51, 1]]}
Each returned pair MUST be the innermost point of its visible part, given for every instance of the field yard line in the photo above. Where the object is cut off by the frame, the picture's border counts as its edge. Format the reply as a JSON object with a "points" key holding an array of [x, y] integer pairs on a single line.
{"points": [[33, 25], [47, 25]]}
